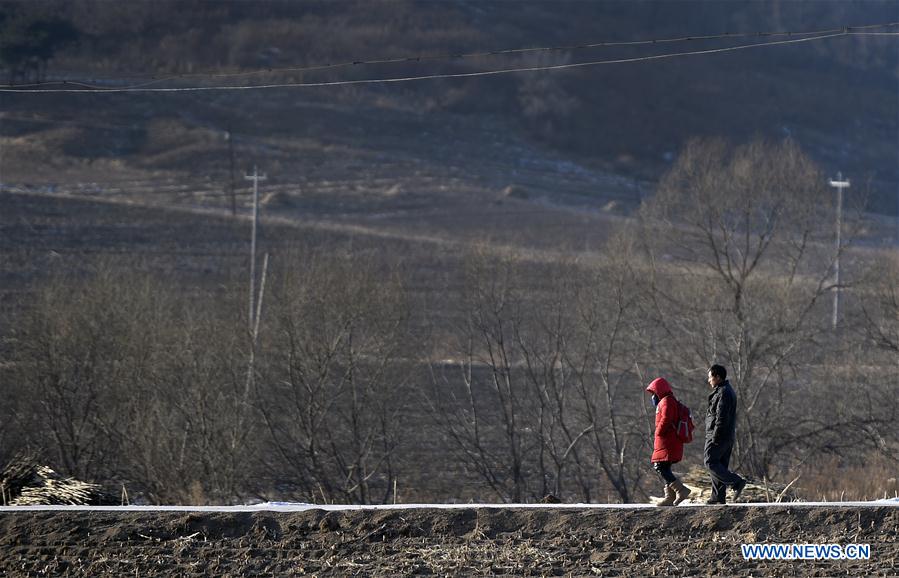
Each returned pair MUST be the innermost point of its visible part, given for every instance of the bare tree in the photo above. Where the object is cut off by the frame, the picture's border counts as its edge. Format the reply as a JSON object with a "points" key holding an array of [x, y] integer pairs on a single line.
{"points": [[880, 305], [543, 397], [121, 378], [75, 351], [187, 421], [740, 244], [879, 326], [611, 342], [485, 420], [543, 343], [334, 378]]}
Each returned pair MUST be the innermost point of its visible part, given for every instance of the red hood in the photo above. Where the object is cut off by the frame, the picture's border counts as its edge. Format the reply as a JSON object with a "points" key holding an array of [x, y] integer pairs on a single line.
{"points": [[660, 387]]}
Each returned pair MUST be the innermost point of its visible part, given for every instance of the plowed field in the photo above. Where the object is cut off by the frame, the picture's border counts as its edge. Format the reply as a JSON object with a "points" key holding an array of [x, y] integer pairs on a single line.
{"points": [[551, 541]]}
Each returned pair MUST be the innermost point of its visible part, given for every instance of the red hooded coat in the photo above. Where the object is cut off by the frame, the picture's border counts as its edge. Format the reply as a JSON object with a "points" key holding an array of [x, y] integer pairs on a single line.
{"points": [[666, 446]]}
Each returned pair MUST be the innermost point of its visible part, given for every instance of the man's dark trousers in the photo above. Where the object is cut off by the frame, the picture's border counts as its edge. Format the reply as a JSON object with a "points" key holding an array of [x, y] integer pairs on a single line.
{"points": [[717, 459]]}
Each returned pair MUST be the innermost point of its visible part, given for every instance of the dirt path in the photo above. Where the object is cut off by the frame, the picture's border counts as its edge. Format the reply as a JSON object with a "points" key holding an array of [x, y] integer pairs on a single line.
{"points": [[703, 541]]}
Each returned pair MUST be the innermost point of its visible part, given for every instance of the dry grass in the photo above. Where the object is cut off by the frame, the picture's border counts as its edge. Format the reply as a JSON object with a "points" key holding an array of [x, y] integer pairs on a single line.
{"points": [[831, 480]]}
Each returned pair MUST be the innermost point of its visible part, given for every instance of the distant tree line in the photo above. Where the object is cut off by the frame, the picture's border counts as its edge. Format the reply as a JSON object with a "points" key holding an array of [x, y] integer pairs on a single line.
{"points": [[29, 37]]}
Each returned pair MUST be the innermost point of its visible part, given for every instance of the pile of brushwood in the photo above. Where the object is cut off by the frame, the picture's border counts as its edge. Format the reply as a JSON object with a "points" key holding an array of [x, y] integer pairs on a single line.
{"points": [[25, 482], [698, 480]]}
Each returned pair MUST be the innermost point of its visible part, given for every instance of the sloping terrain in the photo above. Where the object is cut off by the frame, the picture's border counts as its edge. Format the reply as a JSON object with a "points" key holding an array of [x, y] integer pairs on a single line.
{"points": [[439, 174], [690, 541], [377, 150]]}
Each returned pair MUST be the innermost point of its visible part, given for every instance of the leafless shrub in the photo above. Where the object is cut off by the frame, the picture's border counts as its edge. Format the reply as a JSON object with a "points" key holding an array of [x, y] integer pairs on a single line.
{"points": [[539, 399], [189, 430], [334, 382], [77, 351], [485, 426], [612, 333], [117, 377], [880, 308]]}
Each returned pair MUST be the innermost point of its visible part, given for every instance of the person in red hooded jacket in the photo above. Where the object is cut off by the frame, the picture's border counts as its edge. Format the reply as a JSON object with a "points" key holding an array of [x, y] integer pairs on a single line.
{"points": [[667, 448]]}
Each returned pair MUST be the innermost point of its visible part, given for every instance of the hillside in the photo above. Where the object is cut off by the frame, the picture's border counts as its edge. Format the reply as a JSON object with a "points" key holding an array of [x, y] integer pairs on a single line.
{"points": [[582, 130]]}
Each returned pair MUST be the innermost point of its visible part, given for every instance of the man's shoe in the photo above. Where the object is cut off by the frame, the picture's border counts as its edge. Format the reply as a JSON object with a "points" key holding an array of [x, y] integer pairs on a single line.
{"points": [[738, 489], [714, 502]]}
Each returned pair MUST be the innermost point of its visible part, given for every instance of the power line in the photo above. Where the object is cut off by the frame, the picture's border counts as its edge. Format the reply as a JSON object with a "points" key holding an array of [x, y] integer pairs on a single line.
{"points": [[430, 76], [468, 55], [435, 76]]}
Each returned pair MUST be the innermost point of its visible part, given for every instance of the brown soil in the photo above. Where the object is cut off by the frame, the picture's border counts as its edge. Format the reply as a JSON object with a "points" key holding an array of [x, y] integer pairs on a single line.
{"points": [[703, 541]]}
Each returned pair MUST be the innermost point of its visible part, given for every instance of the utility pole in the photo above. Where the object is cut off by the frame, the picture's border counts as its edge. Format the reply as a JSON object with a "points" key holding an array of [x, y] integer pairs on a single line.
{"points": [[839, 185], [255, 177], [229, 136]]}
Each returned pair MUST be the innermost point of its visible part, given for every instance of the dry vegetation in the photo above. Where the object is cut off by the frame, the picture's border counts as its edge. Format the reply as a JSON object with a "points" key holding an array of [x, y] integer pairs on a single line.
{"points": [[484, 374]]}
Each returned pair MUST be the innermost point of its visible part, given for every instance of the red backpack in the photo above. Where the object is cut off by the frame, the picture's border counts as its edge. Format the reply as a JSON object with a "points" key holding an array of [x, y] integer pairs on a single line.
{"points": [[684, 426]]}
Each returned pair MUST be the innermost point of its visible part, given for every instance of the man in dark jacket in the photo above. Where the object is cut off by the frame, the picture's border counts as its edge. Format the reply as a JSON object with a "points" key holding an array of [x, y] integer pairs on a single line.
{"points": [[720, 434]]}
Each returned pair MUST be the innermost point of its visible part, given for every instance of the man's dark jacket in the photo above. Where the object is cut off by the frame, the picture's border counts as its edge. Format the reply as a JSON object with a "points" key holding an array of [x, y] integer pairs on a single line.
{"points": [[721, 419]]}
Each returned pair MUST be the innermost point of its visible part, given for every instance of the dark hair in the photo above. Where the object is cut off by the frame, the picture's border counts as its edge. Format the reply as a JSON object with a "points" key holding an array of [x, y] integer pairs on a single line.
{"points": [[718, 371]]}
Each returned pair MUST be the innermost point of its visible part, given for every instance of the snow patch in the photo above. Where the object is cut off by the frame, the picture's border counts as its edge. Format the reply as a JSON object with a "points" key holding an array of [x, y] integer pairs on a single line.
{"points": [[302, 507]]}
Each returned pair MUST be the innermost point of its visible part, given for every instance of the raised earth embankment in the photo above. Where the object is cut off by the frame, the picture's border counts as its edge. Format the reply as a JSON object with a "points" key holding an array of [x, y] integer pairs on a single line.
{"points": [[549, 541]]}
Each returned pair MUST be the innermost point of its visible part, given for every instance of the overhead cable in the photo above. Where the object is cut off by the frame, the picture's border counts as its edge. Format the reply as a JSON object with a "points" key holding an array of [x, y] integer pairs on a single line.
{"points": [[469, 55], [94, 90], [428, 76]]}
